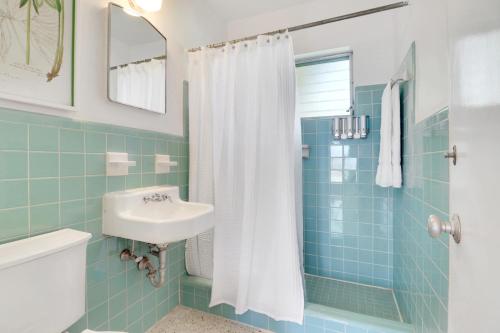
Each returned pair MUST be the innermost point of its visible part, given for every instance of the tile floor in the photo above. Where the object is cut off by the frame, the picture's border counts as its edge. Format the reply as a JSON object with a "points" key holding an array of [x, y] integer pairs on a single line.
{"points": [[186, 320], [372, 301]]}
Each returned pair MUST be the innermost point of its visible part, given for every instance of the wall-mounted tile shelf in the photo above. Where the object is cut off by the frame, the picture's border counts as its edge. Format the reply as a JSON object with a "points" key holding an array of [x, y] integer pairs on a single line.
{"points": [[117, 164], [305, 151], [163, 163], [350, 127]]}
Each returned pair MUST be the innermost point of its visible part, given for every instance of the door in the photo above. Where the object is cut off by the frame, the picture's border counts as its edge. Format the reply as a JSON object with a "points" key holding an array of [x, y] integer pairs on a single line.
{"points": [[474, 292]]}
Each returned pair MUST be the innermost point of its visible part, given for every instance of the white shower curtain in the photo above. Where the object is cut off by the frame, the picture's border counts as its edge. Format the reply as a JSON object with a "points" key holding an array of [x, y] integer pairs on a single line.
{"points": [[244, 159], [141, 85]]}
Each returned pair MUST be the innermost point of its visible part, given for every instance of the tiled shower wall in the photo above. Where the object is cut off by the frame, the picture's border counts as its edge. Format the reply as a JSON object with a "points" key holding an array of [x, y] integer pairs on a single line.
{"points": [[52, 176], [421, 262], [347, 218]]}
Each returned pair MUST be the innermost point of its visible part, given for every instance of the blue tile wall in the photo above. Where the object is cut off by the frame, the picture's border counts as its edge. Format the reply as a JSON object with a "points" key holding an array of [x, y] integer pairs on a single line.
{"points": [[52, 176], [347, 218], [421, 262]]}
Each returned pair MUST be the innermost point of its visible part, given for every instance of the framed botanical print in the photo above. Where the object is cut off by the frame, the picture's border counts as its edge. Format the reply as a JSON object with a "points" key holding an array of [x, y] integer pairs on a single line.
{"points": [[37, 51]]}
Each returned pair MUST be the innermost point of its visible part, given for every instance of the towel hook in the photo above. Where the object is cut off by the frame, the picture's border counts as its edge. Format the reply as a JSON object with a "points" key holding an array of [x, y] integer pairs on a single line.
{"points": [[452, 155]]}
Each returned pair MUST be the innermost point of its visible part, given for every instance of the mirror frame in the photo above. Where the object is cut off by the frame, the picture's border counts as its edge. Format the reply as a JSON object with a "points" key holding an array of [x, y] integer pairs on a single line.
{"points": [[108, 65]]}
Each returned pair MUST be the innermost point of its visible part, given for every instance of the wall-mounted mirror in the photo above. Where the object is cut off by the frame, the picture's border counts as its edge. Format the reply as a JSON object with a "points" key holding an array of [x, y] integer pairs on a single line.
{"points": [[137, 54]]}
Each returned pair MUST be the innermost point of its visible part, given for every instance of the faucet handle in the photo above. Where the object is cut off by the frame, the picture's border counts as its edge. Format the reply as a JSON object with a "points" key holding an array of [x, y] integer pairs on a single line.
{"points": [[157, 197]]}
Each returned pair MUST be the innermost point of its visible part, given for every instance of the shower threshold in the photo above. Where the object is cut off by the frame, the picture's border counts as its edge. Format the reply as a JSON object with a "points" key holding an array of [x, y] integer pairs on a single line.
{"points": [[318, 318], [353, 297]]}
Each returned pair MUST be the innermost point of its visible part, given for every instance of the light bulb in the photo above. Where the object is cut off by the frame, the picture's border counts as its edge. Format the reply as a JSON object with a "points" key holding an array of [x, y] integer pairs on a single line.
{"points": [[131, 11], [149, 5]]}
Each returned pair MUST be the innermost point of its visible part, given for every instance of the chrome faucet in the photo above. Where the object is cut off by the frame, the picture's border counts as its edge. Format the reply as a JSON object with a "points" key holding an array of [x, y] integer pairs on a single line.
{"points": [[157, 197]]}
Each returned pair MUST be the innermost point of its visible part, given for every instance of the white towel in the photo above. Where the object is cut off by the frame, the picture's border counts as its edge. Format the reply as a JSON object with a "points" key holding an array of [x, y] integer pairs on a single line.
{"points": [[389, 161], [397, 178]]}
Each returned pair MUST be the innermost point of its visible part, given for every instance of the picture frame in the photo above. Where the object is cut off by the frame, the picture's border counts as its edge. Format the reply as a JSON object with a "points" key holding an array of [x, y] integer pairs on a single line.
{"points": [[37, 55]]}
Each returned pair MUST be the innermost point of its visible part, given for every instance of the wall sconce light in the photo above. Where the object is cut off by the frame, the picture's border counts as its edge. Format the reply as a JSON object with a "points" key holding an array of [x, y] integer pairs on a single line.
{"points": [[138, 7]]}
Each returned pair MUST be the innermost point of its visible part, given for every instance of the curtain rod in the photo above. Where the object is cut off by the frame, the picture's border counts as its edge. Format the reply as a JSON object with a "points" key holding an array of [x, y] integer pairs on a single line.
{"points": [[138, 62], [313, 24]]}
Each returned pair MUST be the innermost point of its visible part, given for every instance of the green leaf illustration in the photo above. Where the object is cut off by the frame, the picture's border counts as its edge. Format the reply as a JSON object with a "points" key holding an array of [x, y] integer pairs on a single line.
{"points": [[58, 60], [57, 5], [28, 31], [37, 4], [51, 3]]}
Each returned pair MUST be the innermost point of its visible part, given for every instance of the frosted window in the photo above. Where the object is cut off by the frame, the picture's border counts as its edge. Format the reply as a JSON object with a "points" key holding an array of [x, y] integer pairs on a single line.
{"points": [[324, 88]]}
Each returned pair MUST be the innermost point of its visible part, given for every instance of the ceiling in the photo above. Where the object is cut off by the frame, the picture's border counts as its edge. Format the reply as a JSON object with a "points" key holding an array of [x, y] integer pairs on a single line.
{"points": [[236, 9]]}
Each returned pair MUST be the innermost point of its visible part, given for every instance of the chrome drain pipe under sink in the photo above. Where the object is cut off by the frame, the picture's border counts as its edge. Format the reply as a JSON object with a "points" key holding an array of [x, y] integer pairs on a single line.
{"points": [[156, 276]]}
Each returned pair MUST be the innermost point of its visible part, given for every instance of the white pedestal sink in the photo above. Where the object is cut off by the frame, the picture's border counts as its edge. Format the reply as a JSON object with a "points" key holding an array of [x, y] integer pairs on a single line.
{"points": [[154, 215]]}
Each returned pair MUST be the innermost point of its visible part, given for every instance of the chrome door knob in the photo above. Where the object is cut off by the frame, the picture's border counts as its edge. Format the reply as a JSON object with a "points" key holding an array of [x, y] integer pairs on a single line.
{"points": [[435, 227]]}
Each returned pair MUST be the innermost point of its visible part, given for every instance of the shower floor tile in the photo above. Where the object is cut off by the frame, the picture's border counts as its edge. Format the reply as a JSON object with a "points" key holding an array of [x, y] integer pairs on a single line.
{"points": [[186, 320], [352, 297]]}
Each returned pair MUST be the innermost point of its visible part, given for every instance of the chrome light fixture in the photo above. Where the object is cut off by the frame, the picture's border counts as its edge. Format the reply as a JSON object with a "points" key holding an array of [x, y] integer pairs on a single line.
{"points": [[138, 7]]}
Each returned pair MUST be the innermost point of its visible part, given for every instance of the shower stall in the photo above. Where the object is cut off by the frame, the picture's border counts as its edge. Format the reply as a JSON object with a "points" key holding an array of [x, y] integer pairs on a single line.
{"points": [[348, 221], [354, 282], [369, 265], [368, 260]]}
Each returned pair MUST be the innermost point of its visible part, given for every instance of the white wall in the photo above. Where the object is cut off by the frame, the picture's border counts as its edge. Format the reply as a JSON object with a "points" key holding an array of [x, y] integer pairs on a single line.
{"points": [[425, 22], [185, 23], [370, 37], [379, 41]]}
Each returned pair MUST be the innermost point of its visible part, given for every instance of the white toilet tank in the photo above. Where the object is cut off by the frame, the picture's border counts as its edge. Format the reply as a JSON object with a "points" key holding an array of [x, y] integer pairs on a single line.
{"points": [[42, 282]]}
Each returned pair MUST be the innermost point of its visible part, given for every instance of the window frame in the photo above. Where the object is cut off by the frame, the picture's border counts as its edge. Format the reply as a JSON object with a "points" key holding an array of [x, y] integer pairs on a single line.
{"points": [[330, 57]]}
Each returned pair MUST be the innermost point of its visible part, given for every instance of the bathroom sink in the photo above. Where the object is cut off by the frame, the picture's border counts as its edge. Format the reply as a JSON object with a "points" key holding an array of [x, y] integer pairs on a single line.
{"points": [[154, 215]]}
